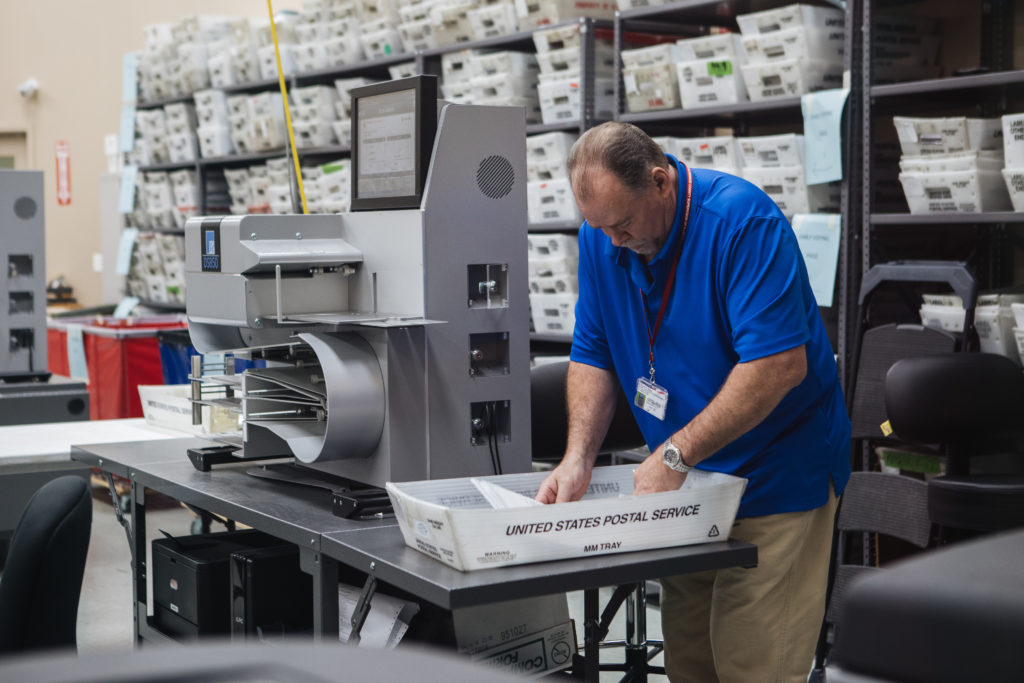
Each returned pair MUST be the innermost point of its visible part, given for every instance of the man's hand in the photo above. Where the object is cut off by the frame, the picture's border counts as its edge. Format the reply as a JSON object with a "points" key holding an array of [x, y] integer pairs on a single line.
{"points": [[567, 482], [653, 476]]}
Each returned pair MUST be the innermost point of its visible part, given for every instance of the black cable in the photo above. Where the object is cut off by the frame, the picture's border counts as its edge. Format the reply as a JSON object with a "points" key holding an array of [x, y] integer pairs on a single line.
{"points": [[496, 455]]}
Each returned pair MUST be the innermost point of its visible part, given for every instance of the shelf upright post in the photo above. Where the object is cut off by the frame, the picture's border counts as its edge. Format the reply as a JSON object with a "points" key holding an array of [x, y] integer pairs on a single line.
{"points": [[619, 90], [587, 81], [849, 272]]}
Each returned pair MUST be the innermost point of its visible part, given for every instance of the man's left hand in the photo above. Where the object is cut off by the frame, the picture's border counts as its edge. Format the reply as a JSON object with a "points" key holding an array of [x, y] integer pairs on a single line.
{"points": [[653, 476]]}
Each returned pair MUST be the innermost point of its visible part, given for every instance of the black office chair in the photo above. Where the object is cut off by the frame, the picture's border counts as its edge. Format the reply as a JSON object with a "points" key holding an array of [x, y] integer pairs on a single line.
{"points": [[42, 581], [973, 405], [550, 419]]}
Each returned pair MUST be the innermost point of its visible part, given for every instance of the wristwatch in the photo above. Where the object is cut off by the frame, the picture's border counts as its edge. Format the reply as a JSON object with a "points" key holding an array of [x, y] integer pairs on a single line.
{"points": [[673, 458]]}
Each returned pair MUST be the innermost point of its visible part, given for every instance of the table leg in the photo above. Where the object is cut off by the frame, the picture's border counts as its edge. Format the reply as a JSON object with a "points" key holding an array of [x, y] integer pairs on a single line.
{"points": [[138, 541], [324, 571], [591, 635]]}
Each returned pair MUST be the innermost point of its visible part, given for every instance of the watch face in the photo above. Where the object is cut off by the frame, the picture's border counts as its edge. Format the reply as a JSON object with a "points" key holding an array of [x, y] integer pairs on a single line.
{"points": [[672, 455]]}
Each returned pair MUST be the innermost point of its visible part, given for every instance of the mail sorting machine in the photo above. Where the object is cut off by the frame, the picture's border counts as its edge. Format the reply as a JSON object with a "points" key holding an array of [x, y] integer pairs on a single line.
{"points": [[396, 336]]}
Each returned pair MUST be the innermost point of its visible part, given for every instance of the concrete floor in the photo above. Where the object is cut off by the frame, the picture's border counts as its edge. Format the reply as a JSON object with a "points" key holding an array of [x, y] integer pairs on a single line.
{"points": [[105, 609]]}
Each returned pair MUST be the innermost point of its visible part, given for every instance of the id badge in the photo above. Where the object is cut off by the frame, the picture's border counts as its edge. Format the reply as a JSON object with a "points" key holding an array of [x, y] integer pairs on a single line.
{"points": [[651, 398]]}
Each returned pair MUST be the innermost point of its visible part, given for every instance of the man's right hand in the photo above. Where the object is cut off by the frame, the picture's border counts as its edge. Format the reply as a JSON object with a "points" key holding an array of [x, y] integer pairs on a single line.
{"points": [[567, 482]]}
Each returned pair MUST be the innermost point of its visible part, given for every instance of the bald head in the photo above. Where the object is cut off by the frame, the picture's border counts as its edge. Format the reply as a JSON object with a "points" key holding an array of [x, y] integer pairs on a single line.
{"points": [[624, 150]]}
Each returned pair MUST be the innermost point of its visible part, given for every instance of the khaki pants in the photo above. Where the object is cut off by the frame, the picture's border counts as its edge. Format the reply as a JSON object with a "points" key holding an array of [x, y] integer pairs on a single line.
{"points": [[753, 625]]}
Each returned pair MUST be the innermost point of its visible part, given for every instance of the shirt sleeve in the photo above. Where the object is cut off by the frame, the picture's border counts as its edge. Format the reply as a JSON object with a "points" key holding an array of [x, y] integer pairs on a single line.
{"points": [[589, 340], [761, 278]]}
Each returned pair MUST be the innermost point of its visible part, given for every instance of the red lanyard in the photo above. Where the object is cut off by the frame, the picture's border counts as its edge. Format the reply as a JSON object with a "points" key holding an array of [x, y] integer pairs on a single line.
{"points": [[653, 334]]}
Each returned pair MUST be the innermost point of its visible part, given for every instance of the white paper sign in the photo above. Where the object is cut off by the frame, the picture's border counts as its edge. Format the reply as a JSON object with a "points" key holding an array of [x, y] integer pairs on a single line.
{"points": [[77, 366], [124, 250], [129, 177], [819, 235]]}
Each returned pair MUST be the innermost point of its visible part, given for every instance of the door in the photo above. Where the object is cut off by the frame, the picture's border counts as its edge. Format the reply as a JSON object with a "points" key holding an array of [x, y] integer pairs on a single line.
{"points": [[13, 150]]}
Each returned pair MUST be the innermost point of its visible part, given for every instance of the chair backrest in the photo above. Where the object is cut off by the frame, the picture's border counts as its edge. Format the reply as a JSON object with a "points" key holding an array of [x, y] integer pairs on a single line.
{"points": [[955, 398], [550, 419], [42, 581], [887, 504], [880, 348]]}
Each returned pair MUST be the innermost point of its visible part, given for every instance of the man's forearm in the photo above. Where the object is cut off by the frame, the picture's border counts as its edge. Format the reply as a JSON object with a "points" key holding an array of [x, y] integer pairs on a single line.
{"points": [[590, 393], [750, 393]]}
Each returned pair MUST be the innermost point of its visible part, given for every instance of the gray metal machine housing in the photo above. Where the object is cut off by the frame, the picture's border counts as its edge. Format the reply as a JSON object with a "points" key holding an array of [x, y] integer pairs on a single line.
{"points": [[417, 319], [22, 274]]}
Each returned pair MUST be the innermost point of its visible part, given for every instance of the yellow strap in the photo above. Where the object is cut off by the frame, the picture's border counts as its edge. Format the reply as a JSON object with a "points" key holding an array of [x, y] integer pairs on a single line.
{"points": [[287, 109]]}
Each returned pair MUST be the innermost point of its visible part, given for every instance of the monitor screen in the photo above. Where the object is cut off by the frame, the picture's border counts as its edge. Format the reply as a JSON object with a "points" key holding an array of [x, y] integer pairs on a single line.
{"points": [[393, 125]]}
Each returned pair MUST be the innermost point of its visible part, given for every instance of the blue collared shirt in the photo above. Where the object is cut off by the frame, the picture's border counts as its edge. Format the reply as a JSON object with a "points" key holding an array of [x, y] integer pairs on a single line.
{"points": [[741, 293]]}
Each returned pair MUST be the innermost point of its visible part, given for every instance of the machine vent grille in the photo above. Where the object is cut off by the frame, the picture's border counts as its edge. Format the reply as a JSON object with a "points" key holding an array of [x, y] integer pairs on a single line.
{"points": [[25, 208], [495, 176]]}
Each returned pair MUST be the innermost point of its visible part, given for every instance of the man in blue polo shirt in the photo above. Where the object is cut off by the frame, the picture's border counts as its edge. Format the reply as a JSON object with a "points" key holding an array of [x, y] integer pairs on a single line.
{"points": [[694, 300]]}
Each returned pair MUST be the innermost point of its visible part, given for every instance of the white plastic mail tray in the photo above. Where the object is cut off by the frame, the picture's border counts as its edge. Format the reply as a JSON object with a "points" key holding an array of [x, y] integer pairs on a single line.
{"points": [[450, 520]]}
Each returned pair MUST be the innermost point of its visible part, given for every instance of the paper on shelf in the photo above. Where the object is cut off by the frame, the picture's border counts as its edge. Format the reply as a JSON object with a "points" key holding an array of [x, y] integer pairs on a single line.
{"points": [[823, 115], [818, 236]]}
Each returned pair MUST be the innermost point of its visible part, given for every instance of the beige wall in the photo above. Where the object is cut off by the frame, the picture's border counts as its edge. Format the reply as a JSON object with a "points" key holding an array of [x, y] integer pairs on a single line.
{"points": [[74, 49]]}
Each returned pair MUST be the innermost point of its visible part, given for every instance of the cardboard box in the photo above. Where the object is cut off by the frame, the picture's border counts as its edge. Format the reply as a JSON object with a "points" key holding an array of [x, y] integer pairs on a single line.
{"points": [[418, 35], [503, 85], [551, 201], [533, 655], [546, 155], [663, 53], [955, 192], [1013, 140], [458, 92], [651, 87], [554, 284], [457, 67], [1014, 178], [451, 23], [486, 627], [518, 65], [551, 245], [788, 188], [449, 520], [721, 152], [268, 60], [927, 136], [995, 331], [182, 148], [557, 38], [566, 60], [710, 83], [313, 134], [383, 43], [552, 266], [490, 21], [970, 160], [718, 46], [342, 51], [553, 313], [560, 100], [769, 151], [311, 56], [537, 13], [798, 42], [789, 16], [790, 77]]}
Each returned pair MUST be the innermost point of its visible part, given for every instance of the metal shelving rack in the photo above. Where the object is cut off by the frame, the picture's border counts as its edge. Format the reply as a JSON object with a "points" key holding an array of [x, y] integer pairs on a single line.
{"points": [[692, 17], [984, 94]]}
